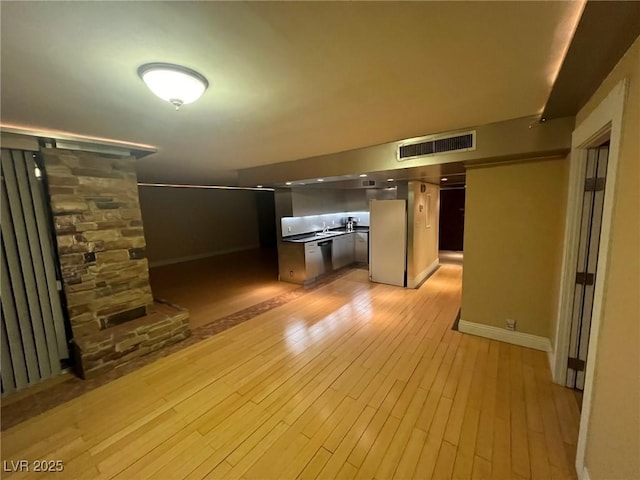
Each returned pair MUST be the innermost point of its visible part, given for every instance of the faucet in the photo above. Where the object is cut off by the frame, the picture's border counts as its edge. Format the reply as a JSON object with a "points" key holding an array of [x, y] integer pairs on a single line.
{"points": [[325, 229]]}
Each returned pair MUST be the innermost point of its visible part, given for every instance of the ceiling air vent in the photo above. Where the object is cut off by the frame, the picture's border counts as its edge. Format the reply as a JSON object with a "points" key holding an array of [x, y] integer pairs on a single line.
{"points": [[368, 183], [437, 144]]}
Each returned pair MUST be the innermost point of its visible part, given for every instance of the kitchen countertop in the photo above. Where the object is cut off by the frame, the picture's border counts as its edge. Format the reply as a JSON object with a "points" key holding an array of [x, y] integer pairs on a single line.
{"points": [[316, 237]]}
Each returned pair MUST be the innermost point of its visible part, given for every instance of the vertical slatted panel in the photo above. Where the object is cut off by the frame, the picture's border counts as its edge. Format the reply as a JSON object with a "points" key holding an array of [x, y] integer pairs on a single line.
{"points": [[11, 325], [8, 377], [26, 264], [48, 257], [32, 331], [15, 286], [40, 278]]}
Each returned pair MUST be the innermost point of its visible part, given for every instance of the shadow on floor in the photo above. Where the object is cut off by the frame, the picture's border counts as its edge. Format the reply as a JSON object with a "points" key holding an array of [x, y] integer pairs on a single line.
{"points": [[216, 287]]}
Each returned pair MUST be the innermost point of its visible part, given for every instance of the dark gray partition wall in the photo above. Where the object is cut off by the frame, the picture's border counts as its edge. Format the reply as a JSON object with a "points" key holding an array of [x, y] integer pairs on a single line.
{"points": [[33, 333]]}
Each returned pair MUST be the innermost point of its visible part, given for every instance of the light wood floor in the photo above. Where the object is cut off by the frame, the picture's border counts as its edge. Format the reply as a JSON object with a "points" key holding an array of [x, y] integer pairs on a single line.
{"points": [[353, 380], [214, 287]]}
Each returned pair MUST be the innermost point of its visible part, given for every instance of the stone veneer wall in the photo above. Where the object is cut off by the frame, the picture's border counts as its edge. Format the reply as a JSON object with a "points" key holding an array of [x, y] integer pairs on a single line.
{"points": [[101, 249], [101, 245]]}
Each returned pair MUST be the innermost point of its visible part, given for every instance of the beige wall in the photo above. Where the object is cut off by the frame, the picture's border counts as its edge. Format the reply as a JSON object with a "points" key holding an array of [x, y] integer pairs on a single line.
{"points": [[511, 139], [514, 221], [613, 442], [422, 238], [187, 223]]}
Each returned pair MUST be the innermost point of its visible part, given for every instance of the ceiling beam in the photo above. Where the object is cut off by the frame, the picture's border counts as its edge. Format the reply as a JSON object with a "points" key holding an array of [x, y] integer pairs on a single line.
{"points": [[605, 32], [509, 140]]}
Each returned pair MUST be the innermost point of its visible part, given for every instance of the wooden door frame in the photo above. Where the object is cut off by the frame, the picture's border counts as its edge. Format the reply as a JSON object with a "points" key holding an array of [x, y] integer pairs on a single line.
{"points": [[605, 122]]}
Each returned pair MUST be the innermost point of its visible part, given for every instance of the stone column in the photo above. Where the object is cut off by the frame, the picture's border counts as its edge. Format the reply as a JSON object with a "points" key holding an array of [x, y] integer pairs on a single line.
{"points": [[101, 245], [101, 250]]}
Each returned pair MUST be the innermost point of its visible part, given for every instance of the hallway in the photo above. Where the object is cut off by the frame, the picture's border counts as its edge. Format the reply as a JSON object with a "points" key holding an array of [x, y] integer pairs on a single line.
{"points": [[352, 380]]}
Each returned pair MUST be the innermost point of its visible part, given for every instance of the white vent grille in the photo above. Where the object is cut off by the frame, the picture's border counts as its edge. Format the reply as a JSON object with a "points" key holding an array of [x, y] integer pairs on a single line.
{"points": [[437, 145]]}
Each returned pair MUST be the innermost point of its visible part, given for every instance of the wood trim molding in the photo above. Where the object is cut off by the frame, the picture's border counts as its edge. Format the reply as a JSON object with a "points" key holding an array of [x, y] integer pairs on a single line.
{"points": [[507, 336], [551, 357]]}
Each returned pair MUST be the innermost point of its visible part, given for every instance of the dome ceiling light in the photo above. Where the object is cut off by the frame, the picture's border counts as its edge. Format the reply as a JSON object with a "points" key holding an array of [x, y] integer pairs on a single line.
{"points": [[175, 84]]}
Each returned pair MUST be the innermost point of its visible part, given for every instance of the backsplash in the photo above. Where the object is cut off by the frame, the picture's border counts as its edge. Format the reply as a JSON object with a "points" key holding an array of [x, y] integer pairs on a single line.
{"points": [[314, 223]]}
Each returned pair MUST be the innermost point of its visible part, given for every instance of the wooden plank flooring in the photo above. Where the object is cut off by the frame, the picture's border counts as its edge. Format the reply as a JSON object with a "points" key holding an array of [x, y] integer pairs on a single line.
{"points": [[214, 287], [353, 380]]}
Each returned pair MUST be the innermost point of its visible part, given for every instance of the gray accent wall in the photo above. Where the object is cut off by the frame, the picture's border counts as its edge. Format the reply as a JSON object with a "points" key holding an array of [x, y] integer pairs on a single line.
{"points": [[183, 224]]}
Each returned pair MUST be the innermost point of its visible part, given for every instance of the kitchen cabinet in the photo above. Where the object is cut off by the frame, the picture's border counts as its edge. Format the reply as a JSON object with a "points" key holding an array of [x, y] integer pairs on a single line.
{"points": [[303, 263], [303, 260], [291, 263], [362, 247], [343, 252], [313, 260]]}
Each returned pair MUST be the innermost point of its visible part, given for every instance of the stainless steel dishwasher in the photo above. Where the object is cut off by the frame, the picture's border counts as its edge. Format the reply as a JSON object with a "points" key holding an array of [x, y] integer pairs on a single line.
{"points": [[325, 248]]}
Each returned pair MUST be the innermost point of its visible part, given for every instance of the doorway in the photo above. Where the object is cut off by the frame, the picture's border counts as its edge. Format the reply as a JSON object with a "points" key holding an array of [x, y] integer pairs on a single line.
{"points": [[451, 224], [451, 228], [599, 133]]}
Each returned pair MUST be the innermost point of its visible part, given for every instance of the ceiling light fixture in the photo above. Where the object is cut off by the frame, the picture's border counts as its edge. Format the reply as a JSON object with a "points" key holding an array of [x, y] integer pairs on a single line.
{"points": [[173, 83], [321, 179], [389, 179], [258, 186], [287, 183], [444, 179], [362, 175]]}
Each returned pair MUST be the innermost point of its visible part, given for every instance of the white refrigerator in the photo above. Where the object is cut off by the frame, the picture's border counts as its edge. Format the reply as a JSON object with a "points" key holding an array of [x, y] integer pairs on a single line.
{"points": [[388, 241]]}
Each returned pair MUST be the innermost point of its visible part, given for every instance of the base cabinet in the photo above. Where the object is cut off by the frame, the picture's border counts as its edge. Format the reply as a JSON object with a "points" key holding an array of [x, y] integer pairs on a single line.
{"points": [[362, 247], [302, 263], [343, 252], [313, 260]]}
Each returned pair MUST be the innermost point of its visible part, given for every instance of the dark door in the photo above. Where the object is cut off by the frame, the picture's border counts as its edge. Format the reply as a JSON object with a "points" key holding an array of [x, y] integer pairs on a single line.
{"points": [[452, 219], [265, 203]]}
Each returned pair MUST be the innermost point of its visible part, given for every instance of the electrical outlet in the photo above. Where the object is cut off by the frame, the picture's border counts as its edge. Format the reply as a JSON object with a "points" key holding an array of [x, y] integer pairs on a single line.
{"points": [[289, 229], [291, 273], [511, 324]]}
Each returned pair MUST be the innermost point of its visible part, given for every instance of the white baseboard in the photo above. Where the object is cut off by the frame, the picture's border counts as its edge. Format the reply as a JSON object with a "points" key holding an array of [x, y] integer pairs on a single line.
{"points": [[551, 356], [189, 258], [424, 274], [503, 335]]}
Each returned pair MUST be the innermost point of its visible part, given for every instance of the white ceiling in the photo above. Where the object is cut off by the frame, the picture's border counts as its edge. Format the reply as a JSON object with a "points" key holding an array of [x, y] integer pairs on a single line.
{"points": [[287, 80]]}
